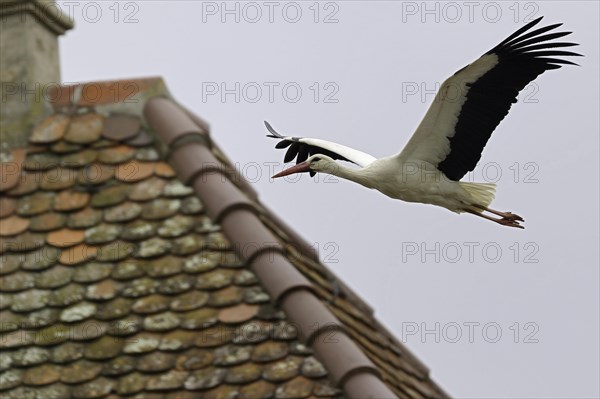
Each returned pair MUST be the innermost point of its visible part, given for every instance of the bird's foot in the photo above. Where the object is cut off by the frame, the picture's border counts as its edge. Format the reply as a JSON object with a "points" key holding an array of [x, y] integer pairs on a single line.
{"points": [[506, 218], [511, 216], [503, 215], [510, 222]]}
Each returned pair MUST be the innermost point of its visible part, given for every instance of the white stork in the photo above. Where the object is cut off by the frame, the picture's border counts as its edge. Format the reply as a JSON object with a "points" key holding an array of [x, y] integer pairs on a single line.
{"points": [[449, 140]]}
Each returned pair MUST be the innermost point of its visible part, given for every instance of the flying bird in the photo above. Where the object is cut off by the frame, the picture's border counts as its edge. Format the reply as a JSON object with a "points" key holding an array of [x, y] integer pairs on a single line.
{"points": [[449, 141]]}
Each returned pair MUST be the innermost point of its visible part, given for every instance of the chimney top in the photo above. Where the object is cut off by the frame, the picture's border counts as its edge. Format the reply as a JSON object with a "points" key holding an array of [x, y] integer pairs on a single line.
{"points": [[46, 12], [29, 64]]}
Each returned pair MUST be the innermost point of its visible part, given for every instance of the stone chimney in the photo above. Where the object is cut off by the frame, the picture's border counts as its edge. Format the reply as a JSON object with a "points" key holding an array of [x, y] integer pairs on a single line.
{"points": [[29, 64]]}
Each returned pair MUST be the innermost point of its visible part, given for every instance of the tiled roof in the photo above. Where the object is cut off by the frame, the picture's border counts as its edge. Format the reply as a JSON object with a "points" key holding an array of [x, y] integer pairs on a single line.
{"points": [[135, 262]]}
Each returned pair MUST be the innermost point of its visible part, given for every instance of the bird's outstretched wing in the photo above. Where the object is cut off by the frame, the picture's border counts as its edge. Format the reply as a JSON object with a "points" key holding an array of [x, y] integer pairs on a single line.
{"points": [[472, 102], [301, 148]]}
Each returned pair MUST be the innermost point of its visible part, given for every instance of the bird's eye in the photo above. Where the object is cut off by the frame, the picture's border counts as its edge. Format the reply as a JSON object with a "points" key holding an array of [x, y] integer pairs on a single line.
{"points": [[316, 159]]}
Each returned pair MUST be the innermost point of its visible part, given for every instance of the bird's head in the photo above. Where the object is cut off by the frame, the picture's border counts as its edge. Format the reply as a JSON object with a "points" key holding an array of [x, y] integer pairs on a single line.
{"points": [[314, 163]]}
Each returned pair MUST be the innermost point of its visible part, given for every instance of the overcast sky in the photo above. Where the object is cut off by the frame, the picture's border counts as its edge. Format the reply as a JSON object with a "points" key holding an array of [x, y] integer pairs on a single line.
{"points": [[493, 311]]}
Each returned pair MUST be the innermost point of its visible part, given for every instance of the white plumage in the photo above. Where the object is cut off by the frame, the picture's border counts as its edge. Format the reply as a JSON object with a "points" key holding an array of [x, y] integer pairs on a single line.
{"points": [[449, 141]]}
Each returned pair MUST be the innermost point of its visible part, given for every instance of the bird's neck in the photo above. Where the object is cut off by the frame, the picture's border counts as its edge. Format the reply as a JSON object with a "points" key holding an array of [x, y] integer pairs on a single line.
{"points": [[357, 175]]}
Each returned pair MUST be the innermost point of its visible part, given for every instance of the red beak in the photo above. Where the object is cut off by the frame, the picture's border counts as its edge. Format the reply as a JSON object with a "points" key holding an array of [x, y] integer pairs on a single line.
{"points": [[301, 167]]}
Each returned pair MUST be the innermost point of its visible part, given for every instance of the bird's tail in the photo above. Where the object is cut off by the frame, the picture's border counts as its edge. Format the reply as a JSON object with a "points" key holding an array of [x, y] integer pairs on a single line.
{"points": [[482, 194]]}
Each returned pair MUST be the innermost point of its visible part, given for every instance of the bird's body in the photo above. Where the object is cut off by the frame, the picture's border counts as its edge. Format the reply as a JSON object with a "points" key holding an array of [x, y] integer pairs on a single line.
{"points": [[448, 142]]}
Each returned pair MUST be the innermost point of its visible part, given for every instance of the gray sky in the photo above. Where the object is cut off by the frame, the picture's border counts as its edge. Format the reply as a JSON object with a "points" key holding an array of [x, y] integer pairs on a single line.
{"points": [[493, 311]]}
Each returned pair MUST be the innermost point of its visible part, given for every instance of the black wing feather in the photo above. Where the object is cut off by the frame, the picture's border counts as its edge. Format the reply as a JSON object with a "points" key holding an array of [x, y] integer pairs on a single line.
{"points": [[299, 150], [489, 98]]}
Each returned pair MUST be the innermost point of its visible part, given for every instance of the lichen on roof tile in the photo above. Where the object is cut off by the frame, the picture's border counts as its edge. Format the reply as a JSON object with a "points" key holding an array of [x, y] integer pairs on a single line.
{"points": [[187, 245], [191, 206], [30, 356], [10, 379], [163, 266], [41, 375], [67, 295], [116, 155], [175, 226], [54, 277], [17, 282], [102, 233], [177, 284], [205, 378], [153, 247], [41, 259], [132, 383], [50, 129], [87, 217], [156, 361], [106, 347], [161, 208], [325, 390], [78, 312], [114, 309], [84, 129], [109, 196], [257, 390], [124, 212], [189, 301], [94, 389], [270, 351], [80, 371], [202, 262], [79, 159], [103, 290], [67, 352], [147, 154], [282, 370], [92, 271], [312, 368], [215, 279], [147, 189], [199, 318], [175, 188], [299, 387], [222, 392], [170, 380], [128, 269], [115, 251], [119, 365], [165, 321], [177, 340], [142, 343], [35, 204], [140, 287]]}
